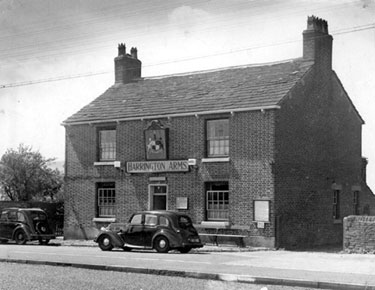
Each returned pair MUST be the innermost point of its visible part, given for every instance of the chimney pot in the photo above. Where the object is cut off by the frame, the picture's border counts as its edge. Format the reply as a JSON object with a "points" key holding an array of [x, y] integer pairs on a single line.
{"points": [[317, 24], [121, 49], [134, 52]]}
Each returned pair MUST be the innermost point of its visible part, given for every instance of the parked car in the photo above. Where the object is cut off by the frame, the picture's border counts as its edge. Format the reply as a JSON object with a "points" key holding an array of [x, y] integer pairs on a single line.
{"points": [[25, 224], [159, 230]]}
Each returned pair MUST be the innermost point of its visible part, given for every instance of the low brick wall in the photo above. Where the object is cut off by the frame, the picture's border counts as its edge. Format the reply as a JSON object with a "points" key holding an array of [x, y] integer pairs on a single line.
{"points": [[359, 234]]}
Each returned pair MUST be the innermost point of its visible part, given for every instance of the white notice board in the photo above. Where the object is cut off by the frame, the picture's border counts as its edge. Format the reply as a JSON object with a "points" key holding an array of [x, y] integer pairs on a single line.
{"points": [[262, 210]]}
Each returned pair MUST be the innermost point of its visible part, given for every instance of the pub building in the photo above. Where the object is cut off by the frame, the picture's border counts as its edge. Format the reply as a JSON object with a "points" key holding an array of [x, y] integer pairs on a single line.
{"points": [[269, 153]]}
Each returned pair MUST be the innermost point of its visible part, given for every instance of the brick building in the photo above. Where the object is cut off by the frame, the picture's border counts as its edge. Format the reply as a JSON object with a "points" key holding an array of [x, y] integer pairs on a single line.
{"points": [[272, 152]]}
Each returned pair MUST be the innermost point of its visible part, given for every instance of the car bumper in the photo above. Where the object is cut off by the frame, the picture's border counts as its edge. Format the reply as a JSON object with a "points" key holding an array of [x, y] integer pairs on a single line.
{"points": [[43, 237], [192, 245]]}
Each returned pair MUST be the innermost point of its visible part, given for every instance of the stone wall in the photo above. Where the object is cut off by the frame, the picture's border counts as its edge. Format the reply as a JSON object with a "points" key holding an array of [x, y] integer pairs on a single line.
{"points": [[359, 234]]}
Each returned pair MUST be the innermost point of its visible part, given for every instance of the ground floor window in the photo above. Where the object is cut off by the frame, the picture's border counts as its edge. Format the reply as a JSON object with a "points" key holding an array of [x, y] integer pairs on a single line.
{"points": [[217, 201], [158, 196], [106, 199], [356, 202], [336, 204]]}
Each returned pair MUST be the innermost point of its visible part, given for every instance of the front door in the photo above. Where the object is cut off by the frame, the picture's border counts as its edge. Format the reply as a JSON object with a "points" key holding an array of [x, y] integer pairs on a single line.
{"points": [[158, 196]]}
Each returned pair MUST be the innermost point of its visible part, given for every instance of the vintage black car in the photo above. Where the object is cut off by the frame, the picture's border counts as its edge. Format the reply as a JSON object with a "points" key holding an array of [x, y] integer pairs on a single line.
{"points": [[25, 224], [159, 230]]}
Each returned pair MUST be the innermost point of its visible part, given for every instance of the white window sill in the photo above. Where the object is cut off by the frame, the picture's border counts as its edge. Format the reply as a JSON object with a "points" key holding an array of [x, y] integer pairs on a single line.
{"points": [[104, 220], [101, 163], [221, 159], [214, 225]]}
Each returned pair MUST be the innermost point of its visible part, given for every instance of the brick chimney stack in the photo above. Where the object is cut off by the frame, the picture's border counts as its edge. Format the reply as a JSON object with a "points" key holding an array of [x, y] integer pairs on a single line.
{"points": [[317, 43], [127, 66]]}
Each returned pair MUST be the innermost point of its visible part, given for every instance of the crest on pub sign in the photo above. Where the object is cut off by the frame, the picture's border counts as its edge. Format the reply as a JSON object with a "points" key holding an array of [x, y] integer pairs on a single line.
{"points": [[156, 141]]}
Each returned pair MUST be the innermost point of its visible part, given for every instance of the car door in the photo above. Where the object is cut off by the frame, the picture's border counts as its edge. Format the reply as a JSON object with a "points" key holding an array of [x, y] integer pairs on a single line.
{"points": [[134, 232], [4, 226], [8, 224], [150, 228]]}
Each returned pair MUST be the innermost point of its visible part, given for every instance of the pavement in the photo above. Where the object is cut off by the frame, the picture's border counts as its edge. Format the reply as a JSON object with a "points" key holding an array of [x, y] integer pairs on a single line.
{"points": [[322, 268]]}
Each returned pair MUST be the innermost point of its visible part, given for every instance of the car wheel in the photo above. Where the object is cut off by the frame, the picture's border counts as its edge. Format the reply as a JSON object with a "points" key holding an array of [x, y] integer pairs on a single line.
{"points": [[184, 250], [105, 243], [20, 237], [41, 228], [161, 244]]}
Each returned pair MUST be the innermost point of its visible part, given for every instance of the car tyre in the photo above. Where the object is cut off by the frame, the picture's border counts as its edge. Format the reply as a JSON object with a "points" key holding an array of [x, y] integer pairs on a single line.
{"points": [[41, 227], [161, 244], [105, 243], [20, 237], [184, 250]]}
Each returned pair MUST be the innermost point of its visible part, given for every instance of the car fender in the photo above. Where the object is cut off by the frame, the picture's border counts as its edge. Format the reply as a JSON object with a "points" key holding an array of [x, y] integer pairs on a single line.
{"points": [[115, 238], [25, 229], [174, 240]]}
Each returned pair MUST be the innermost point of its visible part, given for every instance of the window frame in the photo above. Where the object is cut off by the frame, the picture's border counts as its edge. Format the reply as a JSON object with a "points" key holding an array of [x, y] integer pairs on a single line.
{"points": [[152, 194], [336, 204], [100, 151], [225, 201], [209, 139], [101, 187], [355, 202]]}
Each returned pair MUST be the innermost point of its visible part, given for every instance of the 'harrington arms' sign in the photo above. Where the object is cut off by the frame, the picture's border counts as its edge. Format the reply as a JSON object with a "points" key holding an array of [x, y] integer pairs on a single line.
{"points": [[157, 166]]}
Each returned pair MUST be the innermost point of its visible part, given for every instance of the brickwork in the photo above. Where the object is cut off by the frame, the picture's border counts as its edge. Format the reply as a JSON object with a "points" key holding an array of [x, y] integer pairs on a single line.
{"points": [[294, 156], [248, 172], [359, 234], [318, 147]]}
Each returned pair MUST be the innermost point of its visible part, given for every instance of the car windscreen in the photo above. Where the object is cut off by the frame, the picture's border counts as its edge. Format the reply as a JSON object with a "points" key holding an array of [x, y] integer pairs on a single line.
{"points": [[184, 222]]}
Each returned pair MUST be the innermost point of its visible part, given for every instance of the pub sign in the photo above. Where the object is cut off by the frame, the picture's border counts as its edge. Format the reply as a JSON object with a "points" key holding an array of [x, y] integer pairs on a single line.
{"points": [[156, 141]]}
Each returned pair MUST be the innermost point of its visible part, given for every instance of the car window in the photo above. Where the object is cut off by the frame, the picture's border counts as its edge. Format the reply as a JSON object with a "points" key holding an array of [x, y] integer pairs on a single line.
{"points": [[184, 221], [38, 215], [4, 216], [163, 221], [12, 216], [21, 217], [136, 219], [151, 220]]}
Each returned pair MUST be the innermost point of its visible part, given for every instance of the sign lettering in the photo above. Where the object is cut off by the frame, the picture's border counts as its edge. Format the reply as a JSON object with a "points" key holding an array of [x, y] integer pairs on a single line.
{"points": [[157, 166]]}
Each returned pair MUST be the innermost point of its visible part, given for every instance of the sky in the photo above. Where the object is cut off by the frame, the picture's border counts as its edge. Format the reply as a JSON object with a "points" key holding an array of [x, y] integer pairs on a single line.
{"points": [[57, 56]]}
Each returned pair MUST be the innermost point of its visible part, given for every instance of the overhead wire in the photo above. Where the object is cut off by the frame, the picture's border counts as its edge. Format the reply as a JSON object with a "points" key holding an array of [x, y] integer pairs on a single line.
{"points": [[81, 38], [78, 48], [354, 29]]}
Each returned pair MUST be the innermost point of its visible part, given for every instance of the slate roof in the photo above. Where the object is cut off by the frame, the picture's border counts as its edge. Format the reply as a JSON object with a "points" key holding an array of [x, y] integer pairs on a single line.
{"points": [[255, 86]]}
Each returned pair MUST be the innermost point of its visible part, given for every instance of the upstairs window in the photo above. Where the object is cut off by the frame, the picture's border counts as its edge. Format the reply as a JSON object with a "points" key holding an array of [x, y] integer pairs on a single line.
{"points": [[107, 144], [217, 138]]}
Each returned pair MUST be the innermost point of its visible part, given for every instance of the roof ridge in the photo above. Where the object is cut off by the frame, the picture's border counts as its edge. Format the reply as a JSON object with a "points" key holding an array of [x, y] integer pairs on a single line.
{"points": [[222, 69]]}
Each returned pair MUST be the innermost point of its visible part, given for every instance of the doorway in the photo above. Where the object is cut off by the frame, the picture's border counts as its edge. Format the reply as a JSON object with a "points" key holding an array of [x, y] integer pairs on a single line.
{"points": [[158, 194]]}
